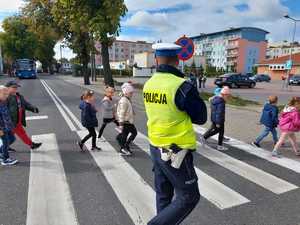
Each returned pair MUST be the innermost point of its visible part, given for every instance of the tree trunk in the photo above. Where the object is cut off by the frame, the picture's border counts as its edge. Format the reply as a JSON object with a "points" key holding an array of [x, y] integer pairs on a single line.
{"points": [[108, 80]]}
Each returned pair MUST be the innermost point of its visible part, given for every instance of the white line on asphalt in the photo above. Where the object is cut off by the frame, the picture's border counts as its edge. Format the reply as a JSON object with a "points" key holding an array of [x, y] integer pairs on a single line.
{"points": [[259, 152], [137, 197], [251, 173], [60, 109], [66, 108], [36, 118], [49, 197], [214, 191]]}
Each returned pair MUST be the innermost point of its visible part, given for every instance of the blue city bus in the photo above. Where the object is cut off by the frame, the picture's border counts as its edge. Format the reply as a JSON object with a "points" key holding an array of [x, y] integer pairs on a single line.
{"points": [[25, 68]]}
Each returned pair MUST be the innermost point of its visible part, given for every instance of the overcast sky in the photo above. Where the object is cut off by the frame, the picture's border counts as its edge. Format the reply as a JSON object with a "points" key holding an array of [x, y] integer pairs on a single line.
{"points": [[152, 20]]}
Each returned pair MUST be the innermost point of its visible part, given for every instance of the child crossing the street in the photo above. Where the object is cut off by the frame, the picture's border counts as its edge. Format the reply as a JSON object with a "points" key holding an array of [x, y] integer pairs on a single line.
{"points": [[218, 103], [289, 124], [89, 119], [125, 116], [6, 127], [269, 118], [108, 109]]}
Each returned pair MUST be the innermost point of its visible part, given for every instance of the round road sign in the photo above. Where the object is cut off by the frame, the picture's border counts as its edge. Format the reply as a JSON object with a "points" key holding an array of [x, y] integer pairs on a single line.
{"points": [[188, 48]]}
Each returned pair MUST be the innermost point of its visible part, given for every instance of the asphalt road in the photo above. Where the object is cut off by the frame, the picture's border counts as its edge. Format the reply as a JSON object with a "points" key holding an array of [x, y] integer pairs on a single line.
{"points": [[60, 185], [259, 94]]}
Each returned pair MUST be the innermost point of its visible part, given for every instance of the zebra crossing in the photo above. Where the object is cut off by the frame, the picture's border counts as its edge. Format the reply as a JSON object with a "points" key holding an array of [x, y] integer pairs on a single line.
{"points": [[130, 186]]}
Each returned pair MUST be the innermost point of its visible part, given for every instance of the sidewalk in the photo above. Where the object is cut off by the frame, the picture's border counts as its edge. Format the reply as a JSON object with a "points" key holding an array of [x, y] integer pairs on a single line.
{"points": [[241, 123]]}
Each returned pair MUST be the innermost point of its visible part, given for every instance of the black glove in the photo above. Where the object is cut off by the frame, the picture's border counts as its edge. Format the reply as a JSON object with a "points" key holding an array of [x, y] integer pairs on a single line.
{"points": [[36, 110]]}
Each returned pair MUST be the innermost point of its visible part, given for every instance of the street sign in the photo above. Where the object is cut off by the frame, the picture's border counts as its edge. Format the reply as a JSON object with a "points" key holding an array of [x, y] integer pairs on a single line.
{"points": [[289, 64], [188, 48]]}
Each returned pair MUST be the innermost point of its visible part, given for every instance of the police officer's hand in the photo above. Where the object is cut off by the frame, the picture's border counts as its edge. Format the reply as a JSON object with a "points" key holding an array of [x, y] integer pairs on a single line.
{"points": [[1, 133], [218, 125]]}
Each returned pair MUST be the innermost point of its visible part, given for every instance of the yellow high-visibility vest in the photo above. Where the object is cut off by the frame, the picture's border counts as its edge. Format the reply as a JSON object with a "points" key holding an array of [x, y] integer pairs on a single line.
{"points": [[166, 123]]}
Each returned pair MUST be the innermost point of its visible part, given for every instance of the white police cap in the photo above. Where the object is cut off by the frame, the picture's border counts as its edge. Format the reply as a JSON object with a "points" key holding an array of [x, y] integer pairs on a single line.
{"points": [[166, 49]]}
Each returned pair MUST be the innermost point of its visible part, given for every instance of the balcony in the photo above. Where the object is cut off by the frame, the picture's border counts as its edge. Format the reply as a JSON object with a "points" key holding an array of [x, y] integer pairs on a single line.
{"points": [[232, 47], [231, 63], [232, 55]]}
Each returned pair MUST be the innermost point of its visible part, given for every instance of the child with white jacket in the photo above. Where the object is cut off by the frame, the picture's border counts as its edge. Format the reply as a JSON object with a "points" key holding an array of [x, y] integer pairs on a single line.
{"points": [[125, 116]]}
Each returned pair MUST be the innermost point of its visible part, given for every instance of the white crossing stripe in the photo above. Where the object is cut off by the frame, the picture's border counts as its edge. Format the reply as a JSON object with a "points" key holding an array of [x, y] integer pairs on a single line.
{"points": [[36, 118], [251, 173], [137, 197], [49, 197], [60, 109], [65, 107], [214, 191], [259, 152]]}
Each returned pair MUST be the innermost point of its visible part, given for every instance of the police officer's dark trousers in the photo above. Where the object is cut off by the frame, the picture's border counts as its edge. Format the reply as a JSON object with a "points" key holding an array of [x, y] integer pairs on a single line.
{"points": [[182, 182]]}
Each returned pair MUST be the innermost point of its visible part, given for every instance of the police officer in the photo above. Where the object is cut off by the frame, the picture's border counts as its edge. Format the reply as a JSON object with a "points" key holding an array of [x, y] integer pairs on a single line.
{"points": [[172, 105]]}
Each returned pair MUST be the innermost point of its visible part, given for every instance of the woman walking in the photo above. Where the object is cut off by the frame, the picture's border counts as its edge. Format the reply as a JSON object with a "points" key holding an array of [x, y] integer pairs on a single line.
{"points": [[289, 124], [89, 119]]}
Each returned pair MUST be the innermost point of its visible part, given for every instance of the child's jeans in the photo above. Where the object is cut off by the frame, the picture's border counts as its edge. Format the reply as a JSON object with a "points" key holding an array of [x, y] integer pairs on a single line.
{"points": [[266, 132], [7, 140]]}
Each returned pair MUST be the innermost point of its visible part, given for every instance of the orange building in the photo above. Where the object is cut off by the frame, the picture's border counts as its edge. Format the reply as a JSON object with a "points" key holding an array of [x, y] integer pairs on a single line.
{"points": [[276, 68]]}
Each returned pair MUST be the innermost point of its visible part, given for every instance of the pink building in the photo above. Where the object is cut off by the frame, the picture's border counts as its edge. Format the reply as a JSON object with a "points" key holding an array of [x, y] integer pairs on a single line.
{"points": [[122, 51]]}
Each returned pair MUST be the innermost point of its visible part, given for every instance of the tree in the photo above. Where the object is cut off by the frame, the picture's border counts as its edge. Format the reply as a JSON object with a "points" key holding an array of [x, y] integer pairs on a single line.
{"points": [[37, 14], [72, 18], [16, 40], [105, 25]]}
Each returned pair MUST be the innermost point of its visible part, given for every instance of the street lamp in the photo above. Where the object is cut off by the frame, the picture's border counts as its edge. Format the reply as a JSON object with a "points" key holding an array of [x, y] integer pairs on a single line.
{"points": [[292, 43]]}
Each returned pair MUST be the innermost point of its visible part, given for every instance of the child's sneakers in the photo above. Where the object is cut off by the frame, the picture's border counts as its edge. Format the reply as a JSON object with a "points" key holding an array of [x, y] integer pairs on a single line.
{"points": [[221, 148], [96, 149], [255, 144], [277, 154], [9, 162], [125, 152], [80, 145]]}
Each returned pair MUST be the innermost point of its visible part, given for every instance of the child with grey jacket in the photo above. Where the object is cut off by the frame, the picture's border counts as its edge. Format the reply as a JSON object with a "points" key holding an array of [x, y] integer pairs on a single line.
{"points": [[108, 109]]}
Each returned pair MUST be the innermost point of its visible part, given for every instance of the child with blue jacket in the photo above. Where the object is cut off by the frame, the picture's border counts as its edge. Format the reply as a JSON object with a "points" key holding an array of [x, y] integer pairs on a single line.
{"points": [[269, 118], [89, 119]]}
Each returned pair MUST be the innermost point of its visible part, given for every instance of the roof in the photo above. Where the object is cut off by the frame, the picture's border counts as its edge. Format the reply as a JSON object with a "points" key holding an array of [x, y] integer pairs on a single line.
{"points": [[282, 60], [229, 31]]}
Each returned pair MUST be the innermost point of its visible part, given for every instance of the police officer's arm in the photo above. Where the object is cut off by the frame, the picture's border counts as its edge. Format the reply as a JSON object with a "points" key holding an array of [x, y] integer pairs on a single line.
{"points": [[188, 99]]}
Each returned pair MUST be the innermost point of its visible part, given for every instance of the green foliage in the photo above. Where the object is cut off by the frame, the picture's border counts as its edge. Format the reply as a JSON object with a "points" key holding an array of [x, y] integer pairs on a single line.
{"points": [[254, 69], [16, 40], [211, 71]]}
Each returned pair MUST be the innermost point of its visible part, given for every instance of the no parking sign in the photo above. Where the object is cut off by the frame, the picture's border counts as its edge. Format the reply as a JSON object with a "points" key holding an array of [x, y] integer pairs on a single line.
{"points": [[188, 48]]}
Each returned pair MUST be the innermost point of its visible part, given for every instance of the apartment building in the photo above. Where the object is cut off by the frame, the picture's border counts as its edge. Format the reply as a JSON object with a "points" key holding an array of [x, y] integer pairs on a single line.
{"points": [[122, 51], [234, 50], [276, 50]]}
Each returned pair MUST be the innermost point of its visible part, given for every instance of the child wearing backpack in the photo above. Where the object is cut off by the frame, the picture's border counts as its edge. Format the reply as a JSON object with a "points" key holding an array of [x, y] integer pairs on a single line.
{"points": [[289, 124], [108, 109], [89, 119], [269, 118]]}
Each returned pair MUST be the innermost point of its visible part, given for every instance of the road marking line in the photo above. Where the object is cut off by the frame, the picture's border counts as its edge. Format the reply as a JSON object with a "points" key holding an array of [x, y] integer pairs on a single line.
{"points": [[137, 197], [259, 152], [36, 118], [251, 173], [49, 196], [214, 191], [66, 108], [60, 109]]}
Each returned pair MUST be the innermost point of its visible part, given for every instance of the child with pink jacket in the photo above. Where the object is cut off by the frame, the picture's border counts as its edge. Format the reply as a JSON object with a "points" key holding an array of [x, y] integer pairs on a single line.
{"points": [[289, 124]]}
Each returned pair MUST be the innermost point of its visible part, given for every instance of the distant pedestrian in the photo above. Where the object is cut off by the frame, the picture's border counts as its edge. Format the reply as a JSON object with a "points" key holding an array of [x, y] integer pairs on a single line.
{"points": [[200, 81], [204, 79], [6, 127], [18, 106], [193, 79], [289, 124], [217, 104], [89, 119], [108, 107], [269, 118], [125, 116]]}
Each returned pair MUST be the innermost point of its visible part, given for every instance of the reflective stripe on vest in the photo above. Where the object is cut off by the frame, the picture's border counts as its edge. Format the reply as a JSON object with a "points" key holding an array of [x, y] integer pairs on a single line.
{"points": [[166, 123]]}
